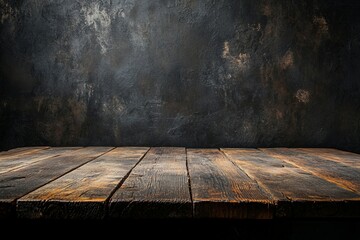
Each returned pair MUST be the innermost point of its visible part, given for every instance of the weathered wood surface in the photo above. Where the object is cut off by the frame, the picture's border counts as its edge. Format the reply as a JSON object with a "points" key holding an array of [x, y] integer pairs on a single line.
{"points": [[16, 184], [298, 193], [220, 189], [82, 193], [134, 182], [22, 160], [157, 188], [348, 158], [19, 151], [341, 174]]}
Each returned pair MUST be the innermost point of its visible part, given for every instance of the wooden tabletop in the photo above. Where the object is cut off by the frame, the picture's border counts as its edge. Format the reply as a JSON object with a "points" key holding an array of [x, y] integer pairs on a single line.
{"points": [[169, 182]]}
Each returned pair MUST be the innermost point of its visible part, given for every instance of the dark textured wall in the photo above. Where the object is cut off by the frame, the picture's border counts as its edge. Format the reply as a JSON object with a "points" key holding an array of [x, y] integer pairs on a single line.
{"points": [[199, 73]]}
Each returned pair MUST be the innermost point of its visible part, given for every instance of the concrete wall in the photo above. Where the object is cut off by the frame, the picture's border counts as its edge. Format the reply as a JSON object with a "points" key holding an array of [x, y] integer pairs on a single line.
{"points": [[200, 73]]}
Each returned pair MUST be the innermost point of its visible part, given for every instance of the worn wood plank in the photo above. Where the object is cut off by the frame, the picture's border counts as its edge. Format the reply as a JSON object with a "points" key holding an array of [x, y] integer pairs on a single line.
{"points": [[82, 193], [221, 190], [348, 158], [20, 151], [333, 171], [298, 193], [16, 184], [157, 187], [22, 160]]}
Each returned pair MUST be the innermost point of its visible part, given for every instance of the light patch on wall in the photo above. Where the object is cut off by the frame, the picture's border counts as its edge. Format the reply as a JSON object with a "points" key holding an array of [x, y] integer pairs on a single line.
{"points": [[302, 96], [255, 26], [100, 19], [84, 90], [287, 60], [226, 51], [113, 105], [6, 11], [241, 61], [122, 13], [139, 34]]}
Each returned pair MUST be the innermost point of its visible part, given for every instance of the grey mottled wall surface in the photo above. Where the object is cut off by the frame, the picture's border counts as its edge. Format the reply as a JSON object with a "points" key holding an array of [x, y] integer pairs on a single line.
{"points": [[199, 73]]}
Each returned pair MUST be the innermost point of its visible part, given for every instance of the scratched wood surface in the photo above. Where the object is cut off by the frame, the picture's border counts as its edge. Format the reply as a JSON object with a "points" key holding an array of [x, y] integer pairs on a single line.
{"points": [[19, 151], [142, 182], [158, 187], [21, 160], [347, 158], [220, 189], [297, 192], [336, 172], [83, 192], [20, 182]]}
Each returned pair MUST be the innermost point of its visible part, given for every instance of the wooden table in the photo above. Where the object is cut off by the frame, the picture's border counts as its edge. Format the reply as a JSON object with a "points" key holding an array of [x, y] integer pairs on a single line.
{"points": [[168, 182]]}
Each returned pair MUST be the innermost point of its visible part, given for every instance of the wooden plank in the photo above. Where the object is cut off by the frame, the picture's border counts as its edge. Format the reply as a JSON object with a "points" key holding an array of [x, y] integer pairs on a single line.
{"points": [[298, 193], [157, 187], [20, 151], [82, 193], [221, 190], [348, 158], [16, 184], [22, 160], [333, 171]]}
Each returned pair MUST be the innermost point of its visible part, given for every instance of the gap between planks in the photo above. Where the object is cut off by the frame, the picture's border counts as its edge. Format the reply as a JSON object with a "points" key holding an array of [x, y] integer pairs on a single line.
{"points": [[121, 183], [157, 188], [189, 182], [84, 191], [74, 168], [17, 184]]}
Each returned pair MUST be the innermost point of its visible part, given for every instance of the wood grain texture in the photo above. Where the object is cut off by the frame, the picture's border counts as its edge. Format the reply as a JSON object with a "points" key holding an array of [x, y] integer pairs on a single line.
{"points": [[20, 151], [298, 193], [22, 160], [157, 187], [221, 190], [16, 184], [82, 193], [129, 182], [343, 157], [336, 172]]}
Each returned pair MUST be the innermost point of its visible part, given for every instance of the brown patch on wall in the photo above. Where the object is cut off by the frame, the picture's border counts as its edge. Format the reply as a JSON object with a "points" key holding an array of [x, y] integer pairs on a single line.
{"points": [[321, 24], [322, 29], [287, 60], [302, 96], [241, 61]]}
